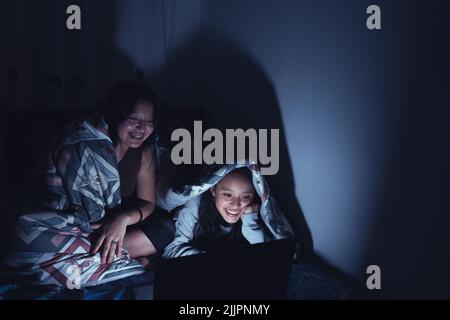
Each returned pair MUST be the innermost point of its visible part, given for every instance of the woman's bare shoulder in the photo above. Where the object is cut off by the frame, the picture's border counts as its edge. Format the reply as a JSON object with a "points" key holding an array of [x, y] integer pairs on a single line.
{"points": [[148, 159]]}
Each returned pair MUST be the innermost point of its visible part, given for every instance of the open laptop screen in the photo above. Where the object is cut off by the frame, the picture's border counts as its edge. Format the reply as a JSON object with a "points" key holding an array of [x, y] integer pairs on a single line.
{"points": [[258, 271]]}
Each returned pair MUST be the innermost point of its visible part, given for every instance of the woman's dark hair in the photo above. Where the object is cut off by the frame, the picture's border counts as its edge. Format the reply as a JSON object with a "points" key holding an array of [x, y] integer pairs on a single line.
{"points": [[208, 231], [121, 102]]}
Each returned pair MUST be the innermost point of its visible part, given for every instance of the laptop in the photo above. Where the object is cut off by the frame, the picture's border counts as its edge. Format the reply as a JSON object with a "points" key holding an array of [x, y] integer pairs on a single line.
{"points": [[258, 271]]}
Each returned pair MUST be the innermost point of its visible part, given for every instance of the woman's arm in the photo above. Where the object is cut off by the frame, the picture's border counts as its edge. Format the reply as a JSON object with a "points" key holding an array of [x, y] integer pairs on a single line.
{"points": [[145, 189], [252, 229], [186, 221], [113, 230]]}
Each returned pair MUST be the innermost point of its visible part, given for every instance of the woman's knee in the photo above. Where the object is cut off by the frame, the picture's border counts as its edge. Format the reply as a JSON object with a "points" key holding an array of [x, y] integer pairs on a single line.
{"points": [[138, 244]]}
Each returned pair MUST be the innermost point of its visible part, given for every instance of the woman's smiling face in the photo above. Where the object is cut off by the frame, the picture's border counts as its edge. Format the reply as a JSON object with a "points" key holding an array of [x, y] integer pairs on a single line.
{"points": [[232, 194], [137, 127]]}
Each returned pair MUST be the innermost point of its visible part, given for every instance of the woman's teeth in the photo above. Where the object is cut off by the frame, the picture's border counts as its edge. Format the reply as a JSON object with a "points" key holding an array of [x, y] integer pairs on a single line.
{"points": [[137, 137], [232, 212]]}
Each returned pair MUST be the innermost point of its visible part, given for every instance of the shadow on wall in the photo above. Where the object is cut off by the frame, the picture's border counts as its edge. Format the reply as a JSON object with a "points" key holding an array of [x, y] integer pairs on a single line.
{"points": [[102, 64], [240, 95], [237, 94]]}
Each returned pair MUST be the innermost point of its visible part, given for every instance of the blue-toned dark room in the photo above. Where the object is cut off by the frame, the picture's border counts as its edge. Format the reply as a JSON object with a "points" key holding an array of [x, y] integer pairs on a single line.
{"points": [[224, 150]]}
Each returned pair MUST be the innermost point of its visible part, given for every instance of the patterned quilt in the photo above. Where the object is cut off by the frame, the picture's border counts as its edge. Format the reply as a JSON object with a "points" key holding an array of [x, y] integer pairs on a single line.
{"points": [[75, 185]]}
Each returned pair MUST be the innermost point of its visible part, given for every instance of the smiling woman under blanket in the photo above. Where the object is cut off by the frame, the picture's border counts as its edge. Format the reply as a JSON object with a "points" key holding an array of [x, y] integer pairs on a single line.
{"points": [[231, 207], [89, 209]]}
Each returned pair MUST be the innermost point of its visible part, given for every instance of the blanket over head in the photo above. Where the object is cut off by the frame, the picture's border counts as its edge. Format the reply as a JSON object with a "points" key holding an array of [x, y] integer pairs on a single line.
{"points": [[269, 211]]}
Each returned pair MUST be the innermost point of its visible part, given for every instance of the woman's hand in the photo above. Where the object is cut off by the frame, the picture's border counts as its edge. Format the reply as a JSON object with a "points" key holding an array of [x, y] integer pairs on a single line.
{"points": [[252, 208], [110, 238]]}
